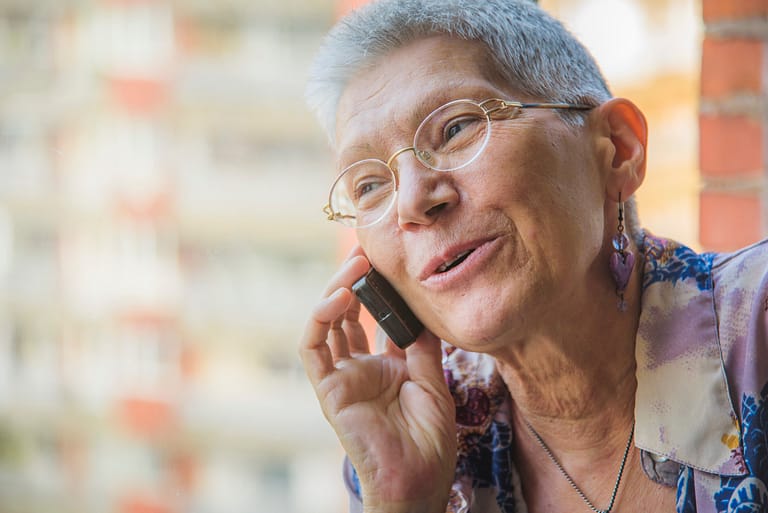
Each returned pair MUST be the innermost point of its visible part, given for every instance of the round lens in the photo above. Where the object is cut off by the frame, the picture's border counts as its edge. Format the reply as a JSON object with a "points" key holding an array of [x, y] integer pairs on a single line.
{"points": [[363, 193], [452, 136]]}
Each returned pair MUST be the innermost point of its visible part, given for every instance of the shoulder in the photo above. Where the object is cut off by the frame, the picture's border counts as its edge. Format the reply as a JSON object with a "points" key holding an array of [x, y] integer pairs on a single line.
{"points": [[757, 250], [704, 329], [718, 297], [741, 306], [747, 267], [671, 268], [668, 261], [740, 298]]}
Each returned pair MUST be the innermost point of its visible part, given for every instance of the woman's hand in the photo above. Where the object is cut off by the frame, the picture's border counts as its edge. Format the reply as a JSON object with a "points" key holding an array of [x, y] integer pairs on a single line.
{"points": [[392, 412]]}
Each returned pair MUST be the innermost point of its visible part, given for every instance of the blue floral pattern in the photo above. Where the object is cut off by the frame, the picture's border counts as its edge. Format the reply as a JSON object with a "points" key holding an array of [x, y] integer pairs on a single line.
{"points": [[742, 495], [686, 492], [749, 494], [489, 461], [673, 262], [754, 413]]}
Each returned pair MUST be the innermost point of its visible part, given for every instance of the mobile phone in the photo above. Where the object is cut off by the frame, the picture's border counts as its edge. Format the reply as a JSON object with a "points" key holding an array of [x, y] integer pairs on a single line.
{"points": [[388, 308]]}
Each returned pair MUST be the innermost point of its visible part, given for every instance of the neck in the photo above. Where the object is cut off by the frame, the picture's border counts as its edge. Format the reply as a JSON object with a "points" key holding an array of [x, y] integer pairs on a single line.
{"points": [[581, 405], [577, 398], [574, 383]]}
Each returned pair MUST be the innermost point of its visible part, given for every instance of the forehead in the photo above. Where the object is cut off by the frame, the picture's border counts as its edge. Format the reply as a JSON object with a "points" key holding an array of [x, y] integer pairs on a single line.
{"points": [[401, 88]]}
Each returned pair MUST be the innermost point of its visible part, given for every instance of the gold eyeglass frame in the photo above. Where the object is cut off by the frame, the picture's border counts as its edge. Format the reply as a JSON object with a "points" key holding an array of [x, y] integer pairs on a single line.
{"points": [[489, 107]]}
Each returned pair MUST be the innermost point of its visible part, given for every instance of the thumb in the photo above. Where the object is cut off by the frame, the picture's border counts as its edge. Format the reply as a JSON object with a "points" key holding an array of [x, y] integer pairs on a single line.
{"points": [[425, 360]]}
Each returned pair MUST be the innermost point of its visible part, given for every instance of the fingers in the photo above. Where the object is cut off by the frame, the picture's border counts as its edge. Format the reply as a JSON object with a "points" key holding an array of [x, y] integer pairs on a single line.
{"points": [[352, 269], [333, 328], [354, 341], [357, 339], [315, 350], [424, 358], [337, 339]]}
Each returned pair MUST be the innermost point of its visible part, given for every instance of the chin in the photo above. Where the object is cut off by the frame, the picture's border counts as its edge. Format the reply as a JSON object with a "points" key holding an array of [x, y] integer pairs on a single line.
{"points": [[478, 331], [488, 321]]}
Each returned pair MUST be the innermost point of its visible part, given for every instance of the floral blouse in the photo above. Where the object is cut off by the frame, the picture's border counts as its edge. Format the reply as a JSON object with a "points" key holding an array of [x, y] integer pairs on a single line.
{"points": [[701, 408]]}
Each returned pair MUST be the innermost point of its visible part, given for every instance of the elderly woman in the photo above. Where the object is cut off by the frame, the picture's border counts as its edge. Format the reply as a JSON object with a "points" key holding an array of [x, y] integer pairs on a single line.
{"points": [[571, 361]]}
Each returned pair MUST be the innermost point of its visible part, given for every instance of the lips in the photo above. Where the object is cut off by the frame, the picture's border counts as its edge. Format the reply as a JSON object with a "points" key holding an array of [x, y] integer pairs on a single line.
{"points": [[453, 263], [451, 258]]}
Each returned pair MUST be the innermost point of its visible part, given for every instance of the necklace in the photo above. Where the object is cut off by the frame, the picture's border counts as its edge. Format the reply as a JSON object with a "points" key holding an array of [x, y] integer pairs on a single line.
{"points": [[570, 480]]}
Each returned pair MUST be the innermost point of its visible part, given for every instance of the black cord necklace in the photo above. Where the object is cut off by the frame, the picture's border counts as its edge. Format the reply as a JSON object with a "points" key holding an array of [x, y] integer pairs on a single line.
{"points": [[571, 481]]}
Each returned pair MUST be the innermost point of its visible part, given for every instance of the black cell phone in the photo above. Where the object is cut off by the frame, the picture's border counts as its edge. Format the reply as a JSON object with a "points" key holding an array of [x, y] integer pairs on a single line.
{"points": [[388, 308]]}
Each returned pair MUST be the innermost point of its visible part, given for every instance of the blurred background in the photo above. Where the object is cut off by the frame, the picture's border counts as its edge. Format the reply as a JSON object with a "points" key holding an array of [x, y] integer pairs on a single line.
{"points": [[161, 241]]}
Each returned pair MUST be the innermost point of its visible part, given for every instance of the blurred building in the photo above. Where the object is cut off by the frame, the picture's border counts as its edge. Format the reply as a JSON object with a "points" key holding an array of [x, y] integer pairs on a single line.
{"points": [[160, 184], [161, 240]]}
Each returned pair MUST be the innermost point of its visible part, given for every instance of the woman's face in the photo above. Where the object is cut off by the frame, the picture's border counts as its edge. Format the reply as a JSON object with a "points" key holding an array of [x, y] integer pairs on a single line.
{"points": [[530, 209]]}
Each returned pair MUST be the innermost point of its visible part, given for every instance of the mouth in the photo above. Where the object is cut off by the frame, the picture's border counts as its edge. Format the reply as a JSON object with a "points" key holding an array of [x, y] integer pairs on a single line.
{"points": [[453, 258], [447, 266]]}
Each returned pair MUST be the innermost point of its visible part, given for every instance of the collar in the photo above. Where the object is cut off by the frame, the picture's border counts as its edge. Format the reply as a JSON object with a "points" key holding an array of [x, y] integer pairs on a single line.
{"points": [[683, 409]]}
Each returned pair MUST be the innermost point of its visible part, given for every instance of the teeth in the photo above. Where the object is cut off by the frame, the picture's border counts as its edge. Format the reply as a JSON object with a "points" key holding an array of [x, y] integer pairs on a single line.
{"points": [[458, 259]]}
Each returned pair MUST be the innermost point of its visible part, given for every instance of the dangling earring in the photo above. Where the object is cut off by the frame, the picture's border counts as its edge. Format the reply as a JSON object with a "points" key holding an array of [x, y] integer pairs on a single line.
{"points": [[622, 260]]}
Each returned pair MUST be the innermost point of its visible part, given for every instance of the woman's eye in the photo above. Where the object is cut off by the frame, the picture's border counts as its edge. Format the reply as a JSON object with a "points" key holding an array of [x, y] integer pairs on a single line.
{"points": [[369, 191], [365, 188], [456, 126], [452, 129]]}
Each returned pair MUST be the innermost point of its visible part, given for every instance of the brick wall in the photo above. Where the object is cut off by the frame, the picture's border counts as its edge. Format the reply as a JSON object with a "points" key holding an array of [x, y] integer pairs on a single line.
{"points": [[733, 124]]}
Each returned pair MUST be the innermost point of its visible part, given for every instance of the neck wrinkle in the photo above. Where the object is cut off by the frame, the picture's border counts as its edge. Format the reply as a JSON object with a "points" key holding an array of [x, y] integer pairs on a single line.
{"points": [[576, 387]]}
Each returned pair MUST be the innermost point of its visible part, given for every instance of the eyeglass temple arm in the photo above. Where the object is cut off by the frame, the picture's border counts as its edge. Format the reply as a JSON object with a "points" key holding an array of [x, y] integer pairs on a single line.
{"points": [[569, 106], [496, 104]]}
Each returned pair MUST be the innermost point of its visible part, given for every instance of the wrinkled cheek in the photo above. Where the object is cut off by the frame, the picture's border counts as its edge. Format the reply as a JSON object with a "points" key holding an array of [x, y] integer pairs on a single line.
{"points": [[364, 241], [386, 255], [377, 247]]}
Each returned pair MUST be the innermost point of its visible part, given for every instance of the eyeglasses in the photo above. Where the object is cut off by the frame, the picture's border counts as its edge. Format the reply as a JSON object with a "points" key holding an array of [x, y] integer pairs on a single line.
{"points": [[450, 138]]}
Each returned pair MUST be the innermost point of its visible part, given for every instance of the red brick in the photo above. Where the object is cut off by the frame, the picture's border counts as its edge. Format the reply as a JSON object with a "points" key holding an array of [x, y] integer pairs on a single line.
{"points": [[719, 10], [729, 221], [731, 66], [731, 146]]}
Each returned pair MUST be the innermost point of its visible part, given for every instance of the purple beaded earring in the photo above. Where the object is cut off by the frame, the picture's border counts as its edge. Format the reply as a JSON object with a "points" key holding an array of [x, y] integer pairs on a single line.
{"points": [[622, 259]]}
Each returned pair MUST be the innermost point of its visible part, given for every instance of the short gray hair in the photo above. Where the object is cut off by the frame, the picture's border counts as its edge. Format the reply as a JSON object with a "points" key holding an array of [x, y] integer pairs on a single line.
{"points": [[534, 53]]}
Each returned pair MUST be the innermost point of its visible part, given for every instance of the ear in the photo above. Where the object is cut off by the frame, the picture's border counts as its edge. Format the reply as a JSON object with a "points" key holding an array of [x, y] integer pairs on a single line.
{"points": [[622, 143]]}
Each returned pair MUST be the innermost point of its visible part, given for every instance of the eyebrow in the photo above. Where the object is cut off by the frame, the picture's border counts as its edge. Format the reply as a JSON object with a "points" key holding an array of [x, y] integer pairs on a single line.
{"points": [[438, 98], [460, 88], [415, 114]]}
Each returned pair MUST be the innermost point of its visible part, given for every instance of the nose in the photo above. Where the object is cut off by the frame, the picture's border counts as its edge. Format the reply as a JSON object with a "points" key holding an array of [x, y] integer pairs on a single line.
{"points": [[423, 194]]}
